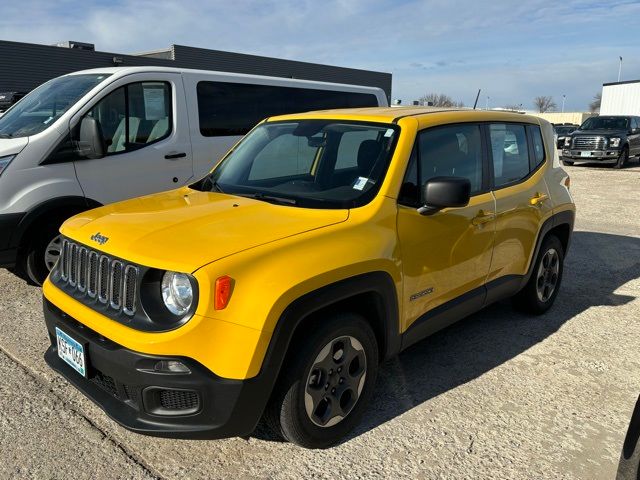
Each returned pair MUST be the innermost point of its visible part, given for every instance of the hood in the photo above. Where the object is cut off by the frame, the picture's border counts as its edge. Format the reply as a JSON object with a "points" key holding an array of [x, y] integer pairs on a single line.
{"points": [[603, 132], [12, 146], [185, 229]]}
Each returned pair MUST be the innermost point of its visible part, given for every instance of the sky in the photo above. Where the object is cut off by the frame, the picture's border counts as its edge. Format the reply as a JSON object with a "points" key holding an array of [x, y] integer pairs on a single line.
{"points": [[514, 50]]}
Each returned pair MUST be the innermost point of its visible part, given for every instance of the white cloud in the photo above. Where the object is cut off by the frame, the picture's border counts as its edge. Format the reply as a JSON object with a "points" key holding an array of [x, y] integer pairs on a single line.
{"points": [[513, 50]]}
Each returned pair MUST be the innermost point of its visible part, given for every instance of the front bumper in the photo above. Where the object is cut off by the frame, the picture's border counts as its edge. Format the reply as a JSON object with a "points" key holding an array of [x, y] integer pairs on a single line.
{"points": [[124, 384], [8, 251], [610, 155]]}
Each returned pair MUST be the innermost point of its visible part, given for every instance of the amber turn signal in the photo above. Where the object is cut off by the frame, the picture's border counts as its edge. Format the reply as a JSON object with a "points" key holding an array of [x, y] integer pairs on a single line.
{"points": [[222, 292]]}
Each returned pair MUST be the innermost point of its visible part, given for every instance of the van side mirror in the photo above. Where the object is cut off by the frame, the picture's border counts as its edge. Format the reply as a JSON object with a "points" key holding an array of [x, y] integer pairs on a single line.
{"points": [[445, 192], [91, 142]]}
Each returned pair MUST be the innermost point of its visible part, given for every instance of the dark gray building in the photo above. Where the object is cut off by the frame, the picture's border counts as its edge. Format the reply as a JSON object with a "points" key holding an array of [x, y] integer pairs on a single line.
{"points": [[24, 66]]}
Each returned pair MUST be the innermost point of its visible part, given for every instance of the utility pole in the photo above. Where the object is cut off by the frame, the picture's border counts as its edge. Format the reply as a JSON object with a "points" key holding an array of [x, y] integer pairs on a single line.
{"points": [[564, 97], [620, 69]]}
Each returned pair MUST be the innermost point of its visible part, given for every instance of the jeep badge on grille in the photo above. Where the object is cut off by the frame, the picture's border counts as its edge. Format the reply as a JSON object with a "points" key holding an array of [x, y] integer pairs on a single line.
{"points": [[99, 239]]}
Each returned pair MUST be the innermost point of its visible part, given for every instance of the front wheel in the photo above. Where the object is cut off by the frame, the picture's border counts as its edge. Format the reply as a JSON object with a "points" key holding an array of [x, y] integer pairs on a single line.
{"points": [[623, 158], [326, 383], [42, 253], [542, 288]]}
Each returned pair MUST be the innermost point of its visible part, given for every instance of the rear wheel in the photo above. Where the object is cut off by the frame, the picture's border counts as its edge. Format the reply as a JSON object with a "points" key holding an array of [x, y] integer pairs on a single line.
{"points": [[623, 158], [326, 383], [542, 288]]}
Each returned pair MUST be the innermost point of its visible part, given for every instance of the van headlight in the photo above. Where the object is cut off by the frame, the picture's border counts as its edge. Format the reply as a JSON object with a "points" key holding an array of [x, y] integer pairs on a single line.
{"points": [[177, 292], [614, 142]]}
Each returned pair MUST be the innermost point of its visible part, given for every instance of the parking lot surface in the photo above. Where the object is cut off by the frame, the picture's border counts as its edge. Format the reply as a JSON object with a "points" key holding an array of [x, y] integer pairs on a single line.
{"points": [[499, 395]]}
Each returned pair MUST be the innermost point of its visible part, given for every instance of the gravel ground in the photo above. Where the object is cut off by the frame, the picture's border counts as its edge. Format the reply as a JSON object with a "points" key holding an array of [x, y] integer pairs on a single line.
{"points": [[499, 395]]}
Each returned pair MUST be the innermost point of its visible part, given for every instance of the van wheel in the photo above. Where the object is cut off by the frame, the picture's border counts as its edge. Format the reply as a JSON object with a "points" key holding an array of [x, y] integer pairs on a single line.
{"points": [[623, 158], [326, 383], [42, 253], [542, 288]]}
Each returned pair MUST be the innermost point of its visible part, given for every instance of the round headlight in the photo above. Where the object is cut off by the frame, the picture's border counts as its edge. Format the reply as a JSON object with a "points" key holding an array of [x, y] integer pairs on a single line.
{"points": [[177, 292]]}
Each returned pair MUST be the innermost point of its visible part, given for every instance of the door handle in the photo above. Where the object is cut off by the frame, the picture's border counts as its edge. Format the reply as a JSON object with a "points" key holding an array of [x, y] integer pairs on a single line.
{"points": [[538, 198], [173, 156], [483, 217]]}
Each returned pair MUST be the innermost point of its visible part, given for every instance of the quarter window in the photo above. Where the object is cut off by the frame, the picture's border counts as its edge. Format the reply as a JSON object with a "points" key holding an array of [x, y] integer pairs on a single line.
{"points": [[228, 109], [510, 153], [134, 116], [538, 145]]}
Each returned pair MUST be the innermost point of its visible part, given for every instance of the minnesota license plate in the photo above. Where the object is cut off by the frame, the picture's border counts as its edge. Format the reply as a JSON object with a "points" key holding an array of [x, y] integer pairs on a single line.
{"points": [[71, 352]]}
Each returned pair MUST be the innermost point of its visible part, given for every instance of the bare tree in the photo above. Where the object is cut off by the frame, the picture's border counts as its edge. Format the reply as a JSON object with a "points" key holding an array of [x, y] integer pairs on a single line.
{"points": [[439, 100], [544, 104], [594, 106]]}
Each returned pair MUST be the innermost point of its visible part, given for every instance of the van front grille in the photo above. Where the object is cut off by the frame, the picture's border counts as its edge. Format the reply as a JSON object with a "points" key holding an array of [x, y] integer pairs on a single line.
{"points": [[90, 273]]}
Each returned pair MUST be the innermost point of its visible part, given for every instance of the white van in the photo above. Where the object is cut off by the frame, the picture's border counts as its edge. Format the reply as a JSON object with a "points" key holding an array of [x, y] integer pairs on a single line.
{"points": [[98, 136]]}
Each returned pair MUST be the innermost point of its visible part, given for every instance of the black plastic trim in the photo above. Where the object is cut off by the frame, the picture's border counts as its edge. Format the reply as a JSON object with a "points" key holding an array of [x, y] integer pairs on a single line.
{"points": [[226, 408], [8, 224]]}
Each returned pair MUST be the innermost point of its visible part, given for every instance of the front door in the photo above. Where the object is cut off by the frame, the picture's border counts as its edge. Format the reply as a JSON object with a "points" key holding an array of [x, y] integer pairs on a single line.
{"points": [[445, 255], [145, 127]]}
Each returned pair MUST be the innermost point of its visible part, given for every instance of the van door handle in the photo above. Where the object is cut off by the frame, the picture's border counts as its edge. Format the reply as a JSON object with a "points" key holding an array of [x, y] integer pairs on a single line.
{"points": [[173, 156], [483, 216], [538, 198]]}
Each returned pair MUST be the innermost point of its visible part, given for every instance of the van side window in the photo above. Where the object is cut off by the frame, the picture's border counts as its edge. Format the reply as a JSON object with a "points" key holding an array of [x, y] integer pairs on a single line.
{"points": [[134, 116], [452, 151], [286, 156], [510, 153], [232, 109]]}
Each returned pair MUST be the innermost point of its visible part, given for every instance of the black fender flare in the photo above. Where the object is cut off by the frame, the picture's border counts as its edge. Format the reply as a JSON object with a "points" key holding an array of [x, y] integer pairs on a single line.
{"points": [[37, 212]]}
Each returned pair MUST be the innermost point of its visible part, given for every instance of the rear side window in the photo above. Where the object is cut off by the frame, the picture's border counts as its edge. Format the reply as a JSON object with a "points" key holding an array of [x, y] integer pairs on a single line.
{"points": [[229, 109], [538, 145], [134, 116], [510, 153]]}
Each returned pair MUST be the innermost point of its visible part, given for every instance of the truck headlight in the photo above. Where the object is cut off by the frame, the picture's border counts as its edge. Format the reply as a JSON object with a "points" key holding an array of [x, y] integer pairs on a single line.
{"points": [[567, 142], [5, 161], [614, 142], [177, 292]]}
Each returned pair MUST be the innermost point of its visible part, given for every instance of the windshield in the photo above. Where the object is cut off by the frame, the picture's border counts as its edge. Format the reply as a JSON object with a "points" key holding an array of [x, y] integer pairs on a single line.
{"points": [[42, 107], [564, 130], [308, 163], [605, 123]]}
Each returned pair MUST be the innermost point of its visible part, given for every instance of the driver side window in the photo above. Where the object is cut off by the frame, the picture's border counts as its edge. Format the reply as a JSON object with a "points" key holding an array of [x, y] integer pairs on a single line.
{"points": [[134, 116]]}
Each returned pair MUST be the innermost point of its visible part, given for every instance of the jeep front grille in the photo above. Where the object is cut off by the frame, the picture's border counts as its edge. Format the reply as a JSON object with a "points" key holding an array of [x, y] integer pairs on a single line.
{"points": [[92, 274], [584, 142]]}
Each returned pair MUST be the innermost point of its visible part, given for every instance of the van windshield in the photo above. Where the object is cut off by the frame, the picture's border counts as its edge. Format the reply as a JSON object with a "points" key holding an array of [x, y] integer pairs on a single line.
{"points": [[42, 107], [308, 163]]}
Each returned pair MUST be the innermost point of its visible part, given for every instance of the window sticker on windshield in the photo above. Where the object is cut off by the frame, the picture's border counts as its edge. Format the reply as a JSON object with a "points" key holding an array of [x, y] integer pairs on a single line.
{"points": [[389, 132], [360, 183]]}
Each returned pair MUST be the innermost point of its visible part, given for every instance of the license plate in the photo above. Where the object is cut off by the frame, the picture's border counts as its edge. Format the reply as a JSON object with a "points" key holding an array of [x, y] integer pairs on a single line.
{"points": [[585, 154], [71, 352]]}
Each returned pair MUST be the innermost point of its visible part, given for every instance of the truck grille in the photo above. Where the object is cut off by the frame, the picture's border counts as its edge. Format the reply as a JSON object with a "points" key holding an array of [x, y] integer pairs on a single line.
{"points": [[92, 274], [589, 143]]}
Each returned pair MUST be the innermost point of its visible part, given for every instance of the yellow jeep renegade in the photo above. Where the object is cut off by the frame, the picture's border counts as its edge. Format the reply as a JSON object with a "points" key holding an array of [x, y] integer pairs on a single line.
{"points": [[322, 244]]}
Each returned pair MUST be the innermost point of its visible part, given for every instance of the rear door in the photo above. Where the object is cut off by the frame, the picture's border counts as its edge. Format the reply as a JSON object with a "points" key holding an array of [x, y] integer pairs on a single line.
{"points": [[145, 126], [522, 199]]}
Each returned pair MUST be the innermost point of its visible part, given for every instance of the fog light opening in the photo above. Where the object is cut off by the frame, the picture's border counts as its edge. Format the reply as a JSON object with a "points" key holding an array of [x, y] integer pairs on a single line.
{"points": [[171, 366]]}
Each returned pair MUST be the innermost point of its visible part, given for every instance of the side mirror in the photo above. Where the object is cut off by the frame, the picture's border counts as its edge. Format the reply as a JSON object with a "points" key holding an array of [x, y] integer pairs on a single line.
{"points": [[445, 192], [91, 142]]}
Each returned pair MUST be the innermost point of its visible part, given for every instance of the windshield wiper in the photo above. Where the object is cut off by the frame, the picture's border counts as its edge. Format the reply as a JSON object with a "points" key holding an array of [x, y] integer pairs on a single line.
{"points": [[269, 198]]}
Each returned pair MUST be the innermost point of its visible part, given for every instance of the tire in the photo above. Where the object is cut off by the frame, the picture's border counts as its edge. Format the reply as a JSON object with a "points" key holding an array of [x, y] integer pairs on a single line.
{"points": [[541, 290], [623, 158], [311, 369], [41, 253], [567, 163]]}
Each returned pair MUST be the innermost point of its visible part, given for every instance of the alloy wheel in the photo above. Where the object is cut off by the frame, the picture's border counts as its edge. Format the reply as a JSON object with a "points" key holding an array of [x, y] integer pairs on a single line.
{"points": [[335, 381], [548, 272], [52, 252]]}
